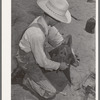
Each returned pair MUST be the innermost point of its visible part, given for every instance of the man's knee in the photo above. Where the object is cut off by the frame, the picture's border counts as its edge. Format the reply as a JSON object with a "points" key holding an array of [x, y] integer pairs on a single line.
{"points": [[50, 94], [46, 91]]}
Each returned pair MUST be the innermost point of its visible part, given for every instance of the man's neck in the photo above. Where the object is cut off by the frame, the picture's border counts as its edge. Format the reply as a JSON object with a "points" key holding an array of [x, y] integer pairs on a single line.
{"points": [[46, 19]]}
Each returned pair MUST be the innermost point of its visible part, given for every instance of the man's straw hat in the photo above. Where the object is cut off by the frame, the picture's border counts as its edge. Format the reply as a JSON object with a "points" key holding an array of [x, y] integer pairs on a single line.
{"points": [[57, 9]]}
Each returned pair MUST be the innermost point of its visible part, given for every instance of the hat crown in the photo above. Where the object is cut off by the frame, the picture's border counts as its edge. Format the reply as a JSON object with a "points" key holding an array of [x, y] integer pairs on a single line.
{"points": [[60, 4]]}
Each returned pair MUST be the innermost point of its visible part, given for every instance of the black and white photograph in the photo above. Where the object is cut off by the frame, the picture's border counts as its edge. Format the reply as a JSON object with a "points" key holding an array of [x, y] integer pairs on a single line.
{"points": [[53, 50]]}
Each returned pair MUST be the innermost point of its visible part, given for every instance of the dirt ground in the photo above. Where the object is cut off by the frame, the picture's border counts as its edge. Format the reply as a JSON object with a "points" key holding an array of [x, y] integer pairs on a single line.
{"points": [[24, 12]]}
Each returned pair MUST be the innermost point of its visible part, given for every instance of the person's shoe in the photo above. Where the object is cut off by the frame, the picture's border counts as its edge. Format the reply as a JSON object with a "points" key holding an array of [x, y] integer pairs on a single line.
{"points": [[17, 76]]}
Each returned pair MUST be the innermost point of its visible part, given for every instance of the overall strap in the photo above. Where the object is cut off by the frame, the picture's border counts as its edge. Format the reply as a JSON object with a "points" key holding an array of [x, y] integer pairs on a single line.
{"points": [[38, 26]]}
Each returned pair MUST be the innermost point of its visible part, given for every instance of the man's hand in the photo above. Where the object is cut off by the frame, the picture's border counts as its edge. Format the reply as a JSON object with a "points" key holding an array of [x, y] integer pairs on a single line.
{"points": [[63, 66]]}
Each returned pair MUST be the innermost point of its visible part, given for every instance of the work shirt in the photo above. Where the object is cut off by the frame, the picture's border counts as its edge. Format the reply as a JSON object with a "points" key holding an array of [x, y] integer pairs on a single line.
{"points": [[34, 38]]}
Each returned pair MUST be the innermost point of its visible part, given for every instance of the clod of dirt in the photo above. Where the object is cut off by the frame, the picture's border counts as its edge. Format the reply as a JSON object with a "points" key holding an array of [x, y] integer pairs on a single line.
{"points": [[90, 26]]}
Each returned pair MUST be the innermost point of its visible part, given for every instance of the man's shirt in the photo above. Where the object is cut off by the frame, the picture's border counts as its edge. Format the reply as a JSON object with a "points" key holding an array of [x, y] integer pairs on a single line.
{"points": [[34, 38]]}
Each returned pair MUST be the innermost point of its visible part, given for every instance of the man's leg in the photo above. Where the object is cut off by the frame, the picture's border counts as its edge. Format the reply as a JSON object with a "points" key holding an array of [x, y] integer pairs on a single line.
{"points": [[36, 80]]}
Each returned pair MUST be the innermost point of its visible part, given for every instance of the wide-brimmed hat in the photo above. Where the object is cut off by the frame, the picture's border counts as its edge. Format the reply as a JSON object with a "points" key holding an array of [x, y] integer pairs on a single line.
{"points": [[58, 9]]}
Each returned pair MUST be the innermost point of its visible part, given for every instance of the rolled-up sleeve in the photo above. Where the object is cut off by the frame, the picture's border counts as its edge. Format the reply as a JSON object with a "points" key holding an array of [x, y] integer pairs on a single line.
{"points": [[36, 39]]}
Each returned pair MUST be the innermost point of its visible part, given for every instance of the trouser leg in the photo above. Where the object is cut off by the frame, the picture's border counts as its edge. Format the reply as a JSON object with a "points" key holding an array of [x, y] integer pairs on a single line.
{"points": [[36, 80]]}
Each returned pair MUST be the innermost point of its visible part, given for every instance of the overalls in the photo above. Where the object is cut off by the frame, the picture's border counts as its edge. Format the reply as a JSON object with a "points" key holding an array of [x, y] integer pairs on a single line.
{"points": [[34, 78]]}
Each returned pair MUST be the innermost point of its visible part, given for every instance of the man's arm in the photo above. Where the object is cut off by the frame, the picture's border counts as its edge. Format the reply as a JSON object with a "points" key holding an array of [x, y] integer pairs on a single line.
{"points": [[37, 46]]}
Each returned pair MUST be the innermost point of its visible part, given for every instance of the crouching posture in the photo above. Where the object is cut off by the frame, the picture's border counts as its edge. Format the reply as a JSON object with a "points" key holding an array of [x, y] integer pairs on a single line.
{"points": [[32, 56]]}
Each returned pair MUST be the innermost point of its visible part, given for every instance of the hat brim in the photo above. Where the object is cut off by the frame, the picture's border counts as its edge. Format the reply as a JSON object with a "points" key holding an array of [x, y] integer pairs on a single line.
{"points": [[65, 18]]}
